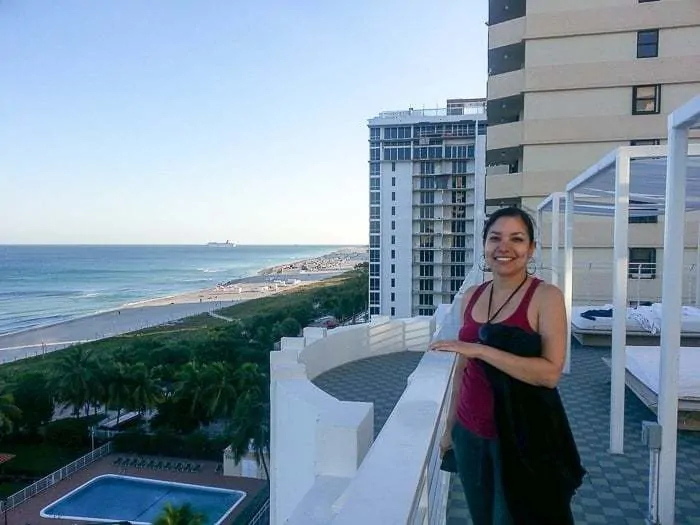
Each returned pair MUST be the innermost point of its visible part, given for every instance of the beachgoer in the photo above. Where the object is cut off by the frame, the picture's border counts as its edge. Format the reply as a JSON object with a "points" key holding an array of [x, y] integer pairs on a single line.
{"points": [[493, 449]]}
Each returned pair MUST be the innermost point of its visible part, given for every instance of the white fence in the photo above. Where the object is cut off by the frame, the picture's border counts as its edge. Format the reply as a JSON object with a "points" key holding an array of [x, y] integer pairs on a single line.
{"points": [[53, 478]]}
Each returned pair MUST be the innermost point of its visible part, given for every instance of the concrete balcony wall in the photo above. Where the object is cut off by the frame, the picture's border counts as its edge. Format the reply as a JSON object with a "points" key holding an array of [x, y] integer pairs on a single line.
{"points": [[506, 84], [506, 33], [323, 470], [505, 135]]}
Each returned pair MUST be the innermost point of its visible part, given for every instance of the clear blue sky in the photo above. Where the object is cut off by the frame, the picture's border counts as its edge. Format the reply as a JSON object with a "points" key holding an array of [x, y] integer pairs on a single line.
{"points": [[184, 121]]}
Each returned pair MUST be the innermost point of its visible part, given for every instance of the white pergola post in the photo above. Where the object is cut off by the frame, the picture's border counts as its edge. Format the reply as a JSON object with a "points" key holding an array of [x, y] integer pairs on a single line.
{"points": [[671, 318], [620, 275], [697, 270], [555, 240], [538, 246], [568, 272]]}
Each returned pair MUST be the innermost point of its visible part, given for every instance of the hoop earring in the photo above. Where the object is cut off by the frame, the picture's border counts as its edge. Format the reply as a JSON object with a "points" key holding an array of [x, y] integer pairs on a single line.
{"points": [[531, 268], [482, 264]]}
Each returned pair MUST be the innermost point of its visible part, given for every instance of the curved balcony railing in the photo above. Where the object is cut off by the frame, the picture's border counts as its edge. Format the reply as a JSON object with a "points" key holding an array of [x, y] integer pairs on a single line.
{"points": [[325, 468]]}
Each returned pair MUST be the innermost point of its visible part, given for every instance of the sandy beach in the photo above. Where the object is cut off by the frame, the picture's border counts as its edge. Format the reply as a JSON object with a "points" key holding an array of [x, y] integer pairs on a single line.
{"points": [[158, 311]]}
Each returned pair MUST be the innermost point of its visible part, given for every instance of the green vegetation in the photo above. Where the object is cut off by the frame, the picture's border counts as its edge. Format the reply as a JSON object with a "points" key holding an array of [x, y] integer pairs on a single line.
{"points": [[190, 374], [179, 515]]}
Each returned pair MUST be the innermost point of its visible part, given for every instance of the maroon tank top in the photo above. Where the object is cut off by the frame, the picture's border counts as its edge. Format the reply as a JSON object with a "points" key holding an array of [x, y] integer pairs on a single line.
{"points": [[475, 402]]}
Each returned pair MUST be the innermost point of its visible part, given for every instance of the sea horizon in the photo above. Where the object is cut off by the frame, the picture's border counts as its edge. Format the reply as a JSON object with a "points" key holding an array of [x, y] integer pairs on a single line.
{"points": [[49, 284]]}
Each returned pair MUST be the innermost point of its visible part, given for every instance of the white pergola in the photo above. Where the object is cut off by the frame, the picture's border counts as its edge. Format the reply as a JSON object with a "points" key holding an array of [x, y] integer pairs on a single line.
{"points": [[667, 180]]}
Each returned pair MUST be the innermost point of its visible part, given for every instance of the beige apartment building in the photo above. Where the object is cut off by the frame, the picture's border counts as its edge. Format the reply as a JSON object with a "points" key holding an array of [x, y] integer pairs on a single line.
{"points": [[569, 81]]}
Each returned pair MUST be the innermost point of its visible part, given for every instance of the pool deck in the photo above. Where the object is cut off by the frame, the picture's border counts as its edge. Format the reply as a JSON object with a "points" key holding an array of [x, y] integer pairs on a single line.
{"points": [[28, 512]]}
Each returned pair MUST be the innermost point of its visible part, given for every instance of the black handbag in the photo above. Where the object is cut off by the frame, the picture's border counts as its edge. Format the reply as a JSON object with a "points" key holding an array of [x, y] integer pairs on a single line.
{"points": [[449, 462]]}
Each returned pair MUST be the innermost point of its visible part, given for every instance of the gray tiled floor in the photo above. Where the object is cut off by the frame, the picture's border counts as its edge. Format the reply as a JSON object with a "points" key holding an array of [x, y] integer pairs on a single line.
{"points": [[380, 380], [615, 490]]}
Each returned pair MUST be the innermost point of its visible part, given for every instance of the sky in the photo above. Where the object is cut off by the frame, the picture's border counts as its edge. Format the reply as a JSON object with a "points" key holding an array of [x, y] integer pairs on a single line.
{"points": [[188, 121]]}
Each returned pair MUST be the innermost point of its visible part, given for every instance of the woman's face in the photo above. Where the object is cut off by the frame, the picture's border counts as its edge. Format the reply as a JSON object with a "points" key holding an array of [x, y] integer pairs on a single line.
{"points": [[508, 246]]}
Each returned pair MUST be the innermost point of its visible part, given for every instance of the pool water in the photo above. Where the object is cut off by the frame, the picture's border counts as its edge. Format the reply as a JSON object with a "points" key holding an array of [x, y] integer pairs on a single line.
{"points": [[138, 500]]}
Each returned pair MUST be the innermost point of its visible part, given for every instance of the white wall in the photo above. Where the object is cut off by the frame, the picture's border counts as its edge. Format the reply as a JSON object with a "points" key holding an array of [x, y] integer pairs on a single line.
{"points": [[316, 440]]}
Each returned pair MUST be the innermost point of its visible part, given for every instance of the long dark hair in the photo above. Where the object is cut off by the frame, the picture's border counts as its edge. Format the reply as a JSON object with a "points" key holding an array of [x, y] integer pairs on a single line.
{"points": [[510, 211]]}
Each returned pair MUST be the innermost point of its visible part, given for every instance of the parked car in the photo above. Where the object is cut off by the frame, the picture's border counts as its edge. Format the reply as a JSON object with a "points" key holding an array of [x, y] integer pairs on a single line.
{"points": [[327, 321]]}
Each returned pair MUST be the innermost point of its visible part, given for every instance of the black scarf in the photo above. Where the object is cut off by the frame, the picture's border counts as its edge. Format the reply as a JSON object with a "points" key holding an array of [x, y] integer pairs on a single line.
{"points": [[541, 464]]}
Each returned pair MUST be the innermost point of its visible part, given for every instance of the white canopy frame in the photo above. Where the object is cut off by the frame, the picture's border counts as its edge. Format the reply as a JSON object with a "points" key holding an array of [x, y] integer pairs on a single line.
{"points": [[678, 181], [667, 179], [553, 202]]}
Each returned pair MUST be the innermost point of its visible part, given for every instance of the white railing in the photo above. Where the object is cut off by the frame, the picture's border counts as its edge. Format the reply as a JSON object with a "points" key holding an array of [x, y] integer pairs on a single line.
{"points": [[53, 478], [593, 282], [262, 517], [466, 108], [325, 468]]}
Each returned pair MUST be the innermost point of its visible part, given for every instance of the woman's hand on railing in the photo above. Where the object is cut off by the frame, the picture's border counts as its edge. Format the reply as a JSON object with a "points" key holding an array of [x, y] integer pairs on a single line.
{"points": [[445, 442]]}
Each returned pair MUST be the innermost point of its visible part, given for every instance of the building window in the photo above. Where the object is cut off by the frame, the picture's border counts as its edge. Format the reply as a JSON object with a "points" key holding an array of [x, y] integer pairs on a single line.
{"points": [[374, 169], [393, 270], [393, 239], [393, 196], [427, 168], [393, 166], [646, 100], [374, 270], [393, 311], [374, 134], [642, 263], [374, 184], [393, 254], [459, 166], [393, 297], [393, 283], [393, 211], [373, 284], [393, 225], [393, 181], [652, 218], [425, 299], [648, 43], [374, 198], [645, 142], [374, 310]]}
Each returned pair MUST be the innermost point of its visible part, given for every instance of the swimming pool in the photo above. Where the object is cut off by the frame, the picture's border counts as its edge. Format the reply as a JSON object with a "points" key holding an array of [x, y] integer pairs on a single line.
{"points": [[138, 500]]}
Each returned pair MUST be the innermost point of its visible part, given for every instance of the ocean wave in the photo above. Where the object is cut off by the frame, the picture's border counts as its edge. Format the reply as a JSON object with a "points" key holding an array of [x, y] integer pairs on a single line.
{"points": [[211, 270], [18, 294]]}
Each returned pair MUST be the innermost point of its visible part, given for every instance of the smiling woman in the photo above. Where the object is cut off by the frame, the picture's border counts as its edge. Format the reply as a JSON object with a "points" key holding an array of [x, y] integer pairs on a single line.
{"points": [[511, 347]]}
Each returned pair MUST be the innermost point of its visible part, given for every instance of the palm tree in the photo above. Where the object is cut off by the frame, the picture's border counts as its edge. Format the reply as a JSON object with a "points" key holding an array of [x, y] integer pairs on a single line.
{"points": [[74, 379], [190, 385], [250, 426], [181, 515], [219, 391], [146, 392], [8, 411], [117, 387]]}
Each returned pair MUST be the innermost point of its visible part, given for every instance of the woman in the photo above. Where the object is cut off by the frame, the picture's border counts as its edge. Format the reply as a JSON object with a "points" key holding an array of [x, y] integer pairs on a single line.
{"points": [[514, 299]]}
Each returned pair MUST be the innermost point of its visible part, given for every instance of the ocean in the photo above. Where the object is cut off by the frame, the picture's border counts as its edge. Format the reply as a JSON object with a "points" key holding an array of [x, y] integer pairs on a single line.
{"points": [[42, 285]]}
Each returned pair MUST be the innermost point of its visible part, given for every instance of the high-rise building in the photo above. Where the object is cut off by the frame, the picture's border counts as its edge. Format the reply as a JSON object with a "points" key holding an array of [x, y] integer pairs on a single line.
{"points": [[424, 169], [569, 81]]}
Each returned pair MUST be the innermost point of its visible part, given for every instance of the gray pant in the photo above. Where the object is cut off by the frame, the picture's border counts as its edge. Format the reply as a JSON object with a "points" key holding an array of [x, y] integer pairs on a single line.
{"points": [[479, 466]]}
